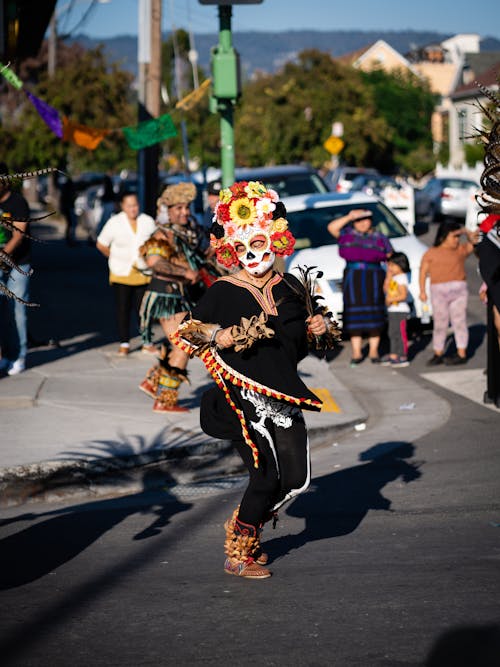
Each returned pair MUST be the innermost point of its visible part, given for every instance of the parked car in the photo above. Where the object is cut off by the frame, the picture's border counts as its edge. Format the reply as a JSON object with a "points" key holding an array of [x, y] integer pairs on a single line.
{"points": [[399, 197], [444, 197], [287, 179], [308, 217], [341, 178]]}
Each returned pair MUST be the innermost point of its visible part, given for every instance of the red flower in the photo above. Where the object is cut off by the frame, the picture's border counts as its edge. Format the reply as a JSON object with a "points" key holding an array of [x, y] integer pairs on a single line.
{"points": [[226, 255], [223, 214], [282, 243], [238, 189]]}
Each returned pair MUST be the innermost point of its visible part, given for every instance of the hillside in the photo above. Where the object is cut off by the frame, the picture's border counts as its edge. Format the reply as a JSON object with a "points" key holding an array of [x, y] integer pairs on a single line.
{"points": [[269, 50]]}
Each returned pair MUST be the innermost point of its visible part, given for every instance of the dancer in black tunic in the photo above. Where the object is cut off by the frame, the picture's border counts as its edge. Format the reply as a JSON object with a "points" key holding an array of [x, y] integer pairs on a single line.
{"points": [[251, 329]]}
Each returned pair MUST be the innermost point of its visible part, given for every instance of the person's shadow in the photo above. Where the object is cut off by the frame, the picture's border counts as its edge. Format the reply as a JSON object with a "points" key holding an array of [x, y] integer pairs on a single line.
{"points": [[336, 503], [45, 545]]}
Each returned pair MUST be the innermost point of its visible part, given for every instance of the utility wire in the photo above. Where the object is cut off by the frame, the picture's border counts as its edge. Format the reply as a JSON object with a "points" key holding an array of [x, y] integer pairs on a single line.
{"points": [[83, 19]]}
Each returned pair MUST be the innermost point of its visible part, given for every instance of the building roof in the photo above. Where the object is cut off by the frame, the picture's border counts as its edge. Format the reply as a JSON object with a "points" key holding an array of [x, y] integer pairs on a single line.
{"points": [[369, 55], [488, 79]]}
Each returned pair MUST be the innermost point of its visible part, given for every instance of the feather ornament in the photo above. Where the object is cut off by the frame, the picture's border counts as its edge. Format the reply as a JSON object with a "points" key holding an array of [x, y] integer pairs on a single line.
{"points": [[489, 198], [310, 297]]}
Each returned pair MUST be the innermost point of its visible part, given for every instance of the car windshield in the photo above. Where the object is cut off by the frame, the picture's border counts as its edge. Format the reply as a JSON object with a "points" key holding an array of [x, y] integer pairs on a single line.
{"points": [[310, 225], [289, 185], [459, 184]]}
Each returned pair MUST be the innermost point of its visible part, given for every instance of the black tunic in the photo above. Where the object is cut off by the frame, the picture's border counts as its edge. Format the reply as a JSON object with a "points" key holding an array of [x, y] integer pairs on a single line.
{"points": [[270, 362]]}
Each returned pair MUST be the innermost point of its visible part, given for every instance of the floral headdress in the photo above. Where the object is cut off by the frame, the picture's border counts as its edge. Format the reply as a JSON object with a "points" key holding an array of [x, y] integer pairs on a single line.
{"points": [[245, 209]]}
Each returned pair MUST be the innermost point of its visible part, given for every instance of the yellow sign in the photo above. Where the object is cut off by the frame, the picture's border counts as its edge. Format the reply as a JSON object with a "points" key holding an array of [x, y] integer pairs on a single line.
{"points": [[334, 145]]}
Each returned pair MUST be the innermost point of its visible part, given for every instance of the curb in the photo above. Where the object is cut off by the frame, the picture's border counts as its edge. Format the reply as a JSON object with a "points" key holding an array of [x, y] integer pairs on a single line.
{"points": [[172, 467]]}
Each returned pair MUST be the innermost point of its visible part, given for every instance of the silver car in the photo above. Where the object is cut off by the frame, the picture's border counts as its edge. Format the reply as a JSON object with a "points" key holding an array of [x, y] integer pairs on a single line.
{"points": [[444, 197]]}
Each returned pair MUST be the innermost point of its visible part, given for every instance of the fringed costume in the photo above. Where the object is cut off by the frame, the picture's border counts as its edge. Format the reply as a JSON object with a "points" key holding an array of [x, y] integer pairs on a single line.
{"points": [[172, 252]]}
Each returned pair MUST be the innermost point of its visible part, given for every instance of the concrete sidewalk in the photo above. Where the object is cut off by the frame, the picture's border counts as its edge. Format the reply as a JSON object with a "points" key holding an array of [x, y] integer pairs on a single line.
{"points": [[80, 423]]}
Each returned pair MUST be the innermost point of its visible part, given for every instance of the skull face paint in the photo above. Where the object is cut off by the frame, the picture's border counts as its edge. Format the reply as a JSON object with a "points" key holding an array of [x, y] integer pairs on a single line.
{"points": [[252, 247]]}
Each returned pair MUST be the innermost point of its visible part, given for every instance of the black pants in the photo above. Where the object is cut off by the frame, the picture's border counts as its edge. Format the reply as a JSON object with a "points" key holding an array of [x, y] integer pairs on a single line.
{"points": [[397, 333], [284, 467], [128, 299]]}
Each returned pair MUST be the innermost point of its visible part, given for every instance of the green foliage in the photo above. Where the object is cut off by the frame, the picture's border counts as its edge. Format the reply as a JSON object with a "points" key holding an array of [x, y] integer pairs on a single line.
{"points": [[286, 117], [473, 153], [406, 103], [281, 118], [88, 90]]}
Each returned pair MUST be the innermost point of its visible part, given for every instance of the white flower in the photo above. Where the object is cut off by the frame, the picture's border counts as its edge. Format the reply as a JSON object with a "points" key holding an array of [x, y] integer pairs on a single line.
{"points": [[273, 194], [264, 207]]}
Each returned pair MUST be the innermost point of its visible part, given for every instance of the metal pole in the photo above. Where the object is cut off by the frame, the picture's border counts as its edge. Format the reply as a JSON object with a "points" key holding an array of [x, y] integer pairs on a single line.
{"points": [[52, 45], [226, 106]]}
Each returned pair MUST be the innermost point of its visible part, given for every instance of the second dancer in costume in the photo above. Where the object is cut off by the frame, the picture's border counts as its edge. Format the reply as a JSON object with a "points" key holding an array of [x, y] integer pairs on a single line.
{"points": [[180, 275]]}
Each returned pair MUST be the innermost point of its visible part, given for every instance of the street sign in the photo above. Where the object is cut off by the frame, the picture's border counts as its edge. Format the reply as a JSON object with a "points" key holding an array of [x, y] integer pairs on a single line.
{"points": [[334, 145]]}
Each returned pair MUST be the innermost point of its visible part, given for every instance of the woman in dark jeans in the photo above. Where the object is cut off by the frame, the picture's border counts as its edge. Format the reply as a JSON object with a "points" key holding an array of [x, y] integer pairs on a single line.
{"points": [[364, 249]]}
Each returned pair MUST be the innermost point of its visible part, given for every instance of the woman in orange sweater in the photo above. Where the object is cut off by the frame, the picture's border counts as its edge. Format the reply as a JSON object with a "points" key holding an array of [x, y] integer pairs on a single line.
{"points": [[444, 263]]}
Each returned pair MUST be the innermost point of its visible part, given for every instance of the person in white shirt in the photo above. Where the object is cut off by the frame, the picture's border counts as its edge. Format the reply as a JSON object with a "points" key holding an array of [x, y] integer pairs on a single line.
{"points": [[119, 241], [398, 309]]}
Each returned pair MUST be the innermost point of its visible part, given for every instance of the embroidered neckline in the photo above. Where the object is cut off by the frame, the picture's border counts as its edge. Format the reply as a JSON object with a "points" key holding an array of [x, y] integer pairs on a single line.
{"points": [[263, 295]]}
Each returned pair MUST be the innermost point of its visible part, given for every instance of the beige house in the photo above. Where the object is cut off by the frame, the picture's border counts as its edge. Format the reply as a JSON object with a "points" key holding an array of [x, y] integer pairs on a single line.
{"points": [[379, 55], [450, 67], [442, 65], [466, 116]]}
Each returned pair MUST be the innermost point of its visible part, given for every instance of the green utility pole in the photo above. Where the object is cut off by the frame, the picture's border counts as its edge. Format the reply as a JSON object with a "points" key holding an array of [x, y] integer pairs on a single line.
{"points": [[226, 83], [225, 71]]}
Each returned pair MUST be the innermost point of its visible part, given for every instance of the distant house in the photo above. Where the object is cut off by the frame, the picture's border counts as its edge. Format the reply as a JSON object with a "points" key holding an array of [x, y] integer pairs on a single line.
{"points": [[379, 55], [442, 65], [465, 115]]}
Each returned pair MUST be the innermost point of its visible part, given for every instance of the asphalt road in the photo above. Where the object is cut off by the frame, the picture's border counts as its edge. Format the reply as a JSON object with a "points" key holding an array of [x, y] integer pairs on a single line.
{"points": [[382, 555]]}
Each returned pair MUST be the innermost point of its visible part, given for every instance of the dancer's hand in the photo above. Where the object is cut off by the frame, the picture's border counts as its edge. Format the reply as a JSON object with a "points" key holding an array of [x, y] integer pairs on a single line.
{"points": [[316, 325], [224, 339]]}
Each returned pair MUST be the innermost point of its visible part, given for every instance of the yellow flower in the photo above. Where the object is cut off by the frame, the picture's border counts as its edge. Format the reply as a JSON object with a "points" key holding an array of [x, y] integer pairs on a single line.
{"points": [[279, 225], [242, 212], [225, 195], [255, 189]]}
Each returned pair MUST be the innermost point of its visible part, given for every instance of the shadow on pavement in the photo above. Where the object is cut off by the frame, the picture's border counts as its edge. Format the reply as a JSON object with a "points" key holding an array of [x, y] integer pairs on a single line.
{"points": [[338, 502], [62, 534]]}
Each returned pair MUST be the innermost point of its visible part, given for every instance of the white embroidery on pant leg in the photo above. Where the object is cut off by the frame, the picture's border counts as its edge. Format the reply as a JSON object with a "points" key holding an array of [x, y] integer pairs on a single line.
{"points": [[279, 413], [295, 492]]}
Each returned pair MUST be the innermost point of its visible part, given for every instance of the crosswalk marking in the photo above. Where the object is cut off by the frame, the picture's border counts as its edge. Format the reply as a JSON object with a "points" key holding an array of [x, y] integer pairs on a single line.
{"points": [[470, 383]]}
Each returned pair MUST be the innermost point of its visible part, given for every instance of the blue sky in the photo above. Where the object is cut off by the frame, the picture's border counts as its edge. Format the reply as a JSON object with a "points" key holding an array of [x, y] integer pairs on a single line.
{"points": [[118, 17]]}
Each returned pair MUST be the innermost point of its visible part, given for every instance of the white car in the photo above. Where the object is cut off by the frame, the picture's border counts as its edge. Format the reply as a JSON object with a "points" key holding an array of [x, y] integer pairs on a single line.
{"points": [[308, 217]]}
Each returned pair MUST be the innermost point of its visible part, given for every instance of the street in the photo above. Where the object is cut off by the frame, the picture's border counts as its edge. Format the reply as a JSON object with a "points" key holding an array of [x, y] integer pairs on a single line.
{"points": [[396, 541]]}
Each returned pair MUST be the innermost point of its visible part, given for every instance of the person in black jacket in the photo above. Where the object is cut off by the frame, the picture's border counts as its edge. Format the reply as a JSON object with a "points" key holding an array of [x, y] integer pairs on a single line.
{"points": [[255, 326]]}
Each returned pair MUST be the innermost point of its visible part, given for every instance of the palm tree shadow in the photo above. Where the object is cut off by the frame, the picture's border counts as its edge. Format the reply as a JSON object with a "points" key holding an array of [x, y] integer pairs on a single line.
{"points": [[338, 502], [45, 545]]}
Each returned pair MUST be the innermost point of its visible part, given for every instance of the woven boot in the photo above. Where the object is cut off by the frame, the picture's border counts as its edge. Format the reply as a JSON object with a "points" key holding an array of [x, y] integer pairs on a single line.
{"points": [[239, 547], [167, 393], [260, 557], [150, 383]]}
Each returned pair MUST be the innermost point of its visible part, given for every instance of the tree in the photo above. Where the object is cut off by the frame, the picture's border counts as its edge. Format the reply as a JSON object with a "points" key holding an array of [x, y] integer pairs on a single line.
{"points": [[85, 88], [286, 117], [406, 103]]}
